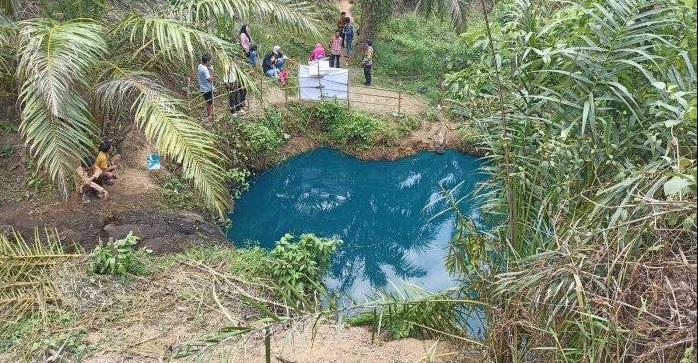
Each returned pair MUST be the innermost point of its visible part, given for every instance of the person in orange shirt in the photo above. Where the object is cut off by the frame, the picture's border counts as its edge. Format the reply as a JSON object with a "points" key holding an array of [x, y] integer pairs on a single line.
{"points": [[105, 165]]}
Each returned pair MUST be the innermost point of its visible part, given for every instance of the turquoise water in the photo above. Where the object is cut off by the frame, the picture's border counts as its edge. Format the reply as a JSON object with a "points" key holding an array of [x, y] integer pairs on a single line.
{"points": [[378, 208]]}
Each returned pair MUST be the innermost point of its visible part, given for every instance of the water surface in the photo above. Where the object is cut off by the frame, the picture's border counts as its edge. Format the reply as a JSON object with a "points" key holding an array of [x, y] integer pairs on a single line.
{"points": [[376, 207]]}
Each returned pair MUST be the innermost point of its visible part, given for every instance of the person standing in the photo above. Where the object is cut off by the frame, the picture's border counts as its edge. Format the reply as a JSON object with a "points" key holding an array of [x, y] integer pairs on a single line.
{"points": [[348, 37], [247, 46], [206, 82], [237, 93], [335, 49], [340, 25], [367, 62]]}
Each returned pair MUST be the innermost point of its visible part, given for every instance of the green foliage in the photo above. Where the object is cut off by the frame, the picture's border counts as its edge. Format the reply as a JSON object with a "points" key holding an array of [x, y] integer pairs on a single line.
{"points": [[416, 313], [179, 193], [689, 355], [329, 113], [7, 127], [73, 9], [238, 179], [260, 135], [6, 150], [301, 264], [412, 52], [36, 179], [118, 257], [250, 263], [342, 127], [356, 129], [592, 152], [260, 138], [69, 345]]}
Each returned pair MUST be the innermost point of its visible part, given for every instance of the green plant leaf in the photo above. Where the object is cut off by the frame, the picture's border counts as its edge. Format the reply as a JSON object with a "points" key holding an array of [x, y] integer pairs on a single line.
{"points": [[675, 185]]}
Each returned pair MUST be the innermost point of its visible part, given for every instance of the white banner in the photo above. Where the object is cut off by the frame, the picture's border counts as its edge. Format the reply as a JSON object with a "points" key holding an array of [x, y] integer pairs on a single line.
{"points": [[318, 82]]}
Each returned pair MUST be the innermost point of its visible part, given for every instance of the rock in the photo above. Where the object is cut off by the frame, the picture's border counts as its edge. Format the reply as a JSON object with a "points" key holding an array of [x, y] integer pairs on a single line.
{"points": [[165, 232], [121, 231], [439, 140]]}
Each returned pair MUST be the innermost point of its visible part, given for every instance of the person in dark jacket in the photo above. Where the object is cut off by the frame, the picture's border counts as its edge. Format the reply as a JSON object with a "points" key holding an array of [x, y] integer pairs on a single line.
{"points": [[273, 62]]}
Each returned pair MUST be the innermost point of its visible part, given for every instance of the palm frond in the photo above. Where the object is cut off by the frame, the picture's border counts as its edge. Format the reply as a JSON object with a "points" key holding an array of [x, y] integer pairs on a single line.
{"points": [[56, 141], [456, 10], [294, 15], [174, 39], [54, 57], [9, 7], [53, 62], [160, 115], [25, 285]]}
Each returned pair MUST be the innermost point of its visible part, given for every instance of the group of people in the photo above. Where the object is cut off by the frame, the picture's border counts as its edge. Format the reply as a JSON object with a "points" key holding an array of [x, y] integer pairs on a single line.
{"points": [[94, 173], [343, 37], [272, 66], [273, 63]]}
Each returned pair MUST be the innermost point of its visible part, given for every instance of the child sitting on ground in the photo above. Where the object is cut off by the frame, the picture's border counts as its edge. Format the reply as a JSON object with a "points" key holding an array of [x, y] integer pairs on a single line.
{"points": [[103, 163], [86, 181]]}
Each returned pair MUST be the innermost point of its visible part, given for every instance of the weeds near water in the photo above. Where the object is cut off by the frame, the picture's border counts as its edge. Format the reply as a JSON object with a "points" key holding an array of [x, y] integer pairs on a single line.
{"points": [[118, 257]]}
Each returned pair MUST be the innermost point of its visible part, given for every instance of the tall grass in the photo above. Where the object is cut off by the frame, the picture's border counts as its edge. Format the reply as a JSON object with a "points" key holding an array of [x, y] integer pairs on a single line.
{"points": [[594, 206], [412, 52]]}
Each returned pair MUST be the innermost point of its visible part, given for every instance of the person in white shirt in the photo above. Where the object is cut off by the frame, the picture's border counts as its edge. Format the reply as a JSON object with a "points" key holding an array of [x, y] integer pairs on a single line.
{"points": [[206, 82]]}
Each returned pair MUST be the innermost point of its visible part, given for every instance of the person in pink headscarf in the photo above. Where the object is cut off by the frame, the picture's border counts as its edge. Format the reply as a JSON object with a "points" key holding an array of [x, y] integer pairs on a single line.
{"points": [[317, 53]]}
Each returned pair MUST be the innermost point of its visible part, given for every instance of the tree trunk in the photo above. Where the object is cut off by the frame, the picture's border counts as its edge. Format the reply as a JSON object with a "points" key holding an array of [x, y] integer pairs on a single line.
{"points": [[369, 22]]}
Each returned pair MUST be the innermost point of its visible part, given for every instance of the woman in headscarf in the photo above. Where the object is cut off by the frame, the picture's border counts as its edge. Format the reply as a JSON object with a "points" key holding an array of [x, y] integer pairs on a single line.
{"points": [[317, 53], [247, 46]]}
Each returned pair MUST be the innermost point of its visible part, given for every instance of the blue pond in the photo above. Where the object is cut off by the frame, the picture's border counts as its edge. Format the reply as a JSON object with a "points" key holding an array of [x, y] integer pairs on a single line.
{"points": [[378, 208]]}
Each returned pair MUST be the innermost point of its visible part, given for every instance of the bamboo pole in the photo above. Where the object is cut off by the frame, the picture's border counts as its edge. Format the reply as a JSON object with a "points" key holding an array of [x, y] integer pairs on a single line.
{"points": [[319, 81], [399, 102], [189, 92], [261, 92]]}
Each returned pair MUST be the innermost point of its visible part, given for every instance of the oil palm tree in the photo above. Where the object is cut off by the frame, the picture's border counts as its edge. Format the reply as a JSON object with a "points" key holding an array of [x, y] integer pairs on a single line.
{"points": [[72, 66]]}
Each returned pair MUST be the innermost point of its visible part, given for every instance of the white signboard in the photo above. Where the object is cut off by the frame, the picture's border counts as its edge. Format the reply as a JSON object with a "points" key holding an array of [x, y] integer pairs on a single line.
{"points": [[318, 82]]}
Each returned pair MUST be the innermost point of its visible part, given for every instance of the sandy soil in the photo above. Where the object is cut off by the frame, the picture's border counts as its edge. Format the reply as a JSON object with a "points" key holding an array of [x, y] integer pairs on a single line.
{"points": [[345, 6], [366, 99]]}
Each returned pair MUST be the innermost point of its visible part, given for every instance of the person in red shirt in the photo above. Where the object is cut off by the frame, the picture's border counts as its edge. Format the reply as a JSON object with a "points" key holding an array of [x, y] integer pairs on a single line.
{"points": [[336, 49]]}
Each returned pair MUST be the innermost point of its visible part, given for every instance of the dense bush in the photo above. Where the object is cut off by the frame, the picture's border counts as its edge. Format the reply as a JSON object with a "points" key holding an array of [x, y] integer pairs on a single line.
{"points": [[262, 135], [413, 52], [118, 257], [300, 265], [590, 121], [356, 129], [342, 127]]}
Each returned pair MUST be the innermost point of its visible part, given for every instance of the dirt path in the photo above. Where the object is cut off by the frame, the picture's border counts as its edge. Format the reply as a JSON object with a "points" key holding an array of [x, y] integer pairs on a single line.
{"points": [[345, 6]]}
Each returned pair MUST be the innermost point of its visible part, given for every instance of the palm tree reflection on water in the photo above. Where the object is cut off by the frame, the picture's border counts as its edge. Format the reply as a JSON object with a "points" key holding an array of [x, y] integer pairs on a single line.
{"points": [[376, 208]]}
